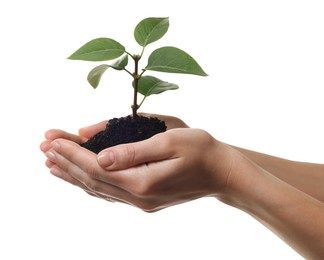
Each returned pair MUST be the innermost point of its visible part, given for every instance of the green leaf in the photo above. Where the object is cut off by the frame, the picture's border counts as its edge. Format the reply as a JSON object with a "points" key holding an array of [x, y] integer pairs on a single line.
{"points": [[95, 74], [173, 60], [100, 49], [150, 30], [148, 85], [121, 63]]}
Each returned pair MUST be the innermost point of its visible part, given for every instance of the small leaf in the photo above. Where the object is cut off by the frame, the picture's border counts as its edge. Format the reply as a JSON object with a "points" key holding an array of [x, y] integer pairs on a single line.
{"points": [[100, 49], [95, 74], [173, 60], [148, 85], [121, 63], [150, 30]]}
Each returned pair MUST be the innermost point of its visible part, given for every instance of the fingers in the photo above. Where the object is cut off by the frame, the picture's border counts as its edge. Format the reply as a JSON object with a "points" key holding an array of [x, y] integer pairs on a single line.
{"points": [[80, 163], [57, 172], [68, 171], [124, 156], [56, 133], [53, 134], [45, 146], [85, 159], [79, 170], [83, 166], [90, 131], [84, 134], [60, 173]]}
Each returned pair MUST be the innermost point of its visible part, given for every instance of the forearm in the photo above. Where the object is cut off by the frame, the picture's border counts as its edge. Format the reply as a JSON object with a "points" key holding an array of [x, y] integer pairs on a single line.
{"points": [[307, 177], [294, 216]]}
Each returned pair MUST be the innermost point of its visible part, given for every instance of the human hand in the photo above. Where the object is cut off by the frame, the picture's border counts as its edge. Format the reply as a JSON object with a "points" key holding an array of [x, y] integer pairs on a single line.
{"points": [[84, 134], [169, 168], [87, 132]]}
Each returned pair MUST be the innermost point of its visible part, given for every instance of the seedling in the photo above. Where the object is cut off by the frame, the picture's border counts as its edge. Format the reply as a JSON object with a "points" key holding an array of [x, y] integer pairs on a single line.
{"points": [[165, 59]]}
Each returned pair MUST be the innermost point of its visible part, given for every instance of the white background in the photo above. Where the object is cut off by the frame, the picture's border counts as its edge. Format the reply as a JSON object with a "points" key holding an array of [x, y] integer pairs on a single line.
{"points": [[264, 92]]}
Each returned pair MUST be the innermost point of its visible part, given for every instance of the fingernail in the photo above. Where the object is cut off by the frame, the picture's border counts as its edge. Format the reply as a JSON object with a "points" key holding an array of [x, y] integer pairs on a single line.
{"points": [[56, 172], [51, 156], [56, 146], [106, 158]]}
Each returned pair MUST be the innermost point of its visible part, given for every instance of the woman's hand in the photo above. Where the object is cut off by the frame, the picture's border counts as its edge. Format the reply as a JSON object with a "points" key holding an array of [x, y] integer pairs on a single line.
{"points": [[87, 132], [84, 134], [169, 168]]}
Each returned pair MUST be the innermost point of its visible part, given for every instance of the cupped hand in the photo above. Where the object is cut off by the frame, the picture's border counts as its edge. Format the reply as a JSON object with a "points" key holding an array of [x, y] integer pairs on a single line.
{"points": [[167, 169], [84, 134], [87, 132]]}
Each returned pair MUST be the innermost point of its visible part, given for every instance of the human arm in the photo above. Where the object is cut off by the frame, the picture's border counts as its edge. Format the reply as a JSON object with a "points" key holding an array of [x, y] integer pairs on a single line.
{"points": [[307, 177], [296, 217], [293, 215], [187, 164]]}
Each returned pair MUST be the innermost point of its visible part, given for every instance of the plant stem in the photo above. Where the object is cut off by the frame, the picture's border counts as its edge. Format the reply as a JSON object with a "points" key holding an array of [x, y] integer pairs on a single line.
{"points": [[136, 78]]}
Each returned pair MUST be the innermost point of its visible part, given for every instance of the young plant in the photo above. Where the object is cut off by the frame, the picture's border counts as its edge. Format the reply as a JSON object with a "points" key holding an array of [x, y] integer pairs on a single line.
{"points": [[165, 59]]}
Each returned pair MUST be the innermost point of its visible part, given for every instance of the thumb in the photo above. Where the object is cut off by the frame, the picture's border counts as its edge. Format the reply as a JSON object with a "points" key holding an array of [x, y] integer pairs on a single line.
{"points": [[128, 155], [90, 131]]}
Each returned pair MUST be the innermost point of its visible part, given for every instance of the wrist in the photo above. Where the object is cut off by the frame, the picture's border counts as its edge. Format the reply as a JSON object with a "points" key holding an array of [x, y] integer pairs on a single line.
{"points": [[244, 181], [227, 167], [250, 187]]}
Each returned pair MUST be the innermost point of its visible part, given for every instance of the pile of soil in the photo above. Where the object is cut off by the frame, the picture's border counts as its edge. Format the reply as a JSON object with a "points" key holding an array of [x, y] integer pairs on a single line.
{"points": [[125, 130]]}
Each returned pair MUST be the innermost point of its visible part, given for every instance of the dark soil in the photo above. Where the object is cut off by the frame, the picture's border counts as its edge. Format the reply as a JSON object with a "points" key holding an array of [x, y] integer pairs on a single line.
{"points": [[125, 130]]}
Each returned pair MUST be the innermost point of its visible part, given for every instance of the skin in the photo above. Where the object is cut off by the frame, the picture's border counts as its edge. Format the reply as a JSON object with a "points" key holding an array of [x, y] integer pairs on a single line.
{"points": [[187, 164]]}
